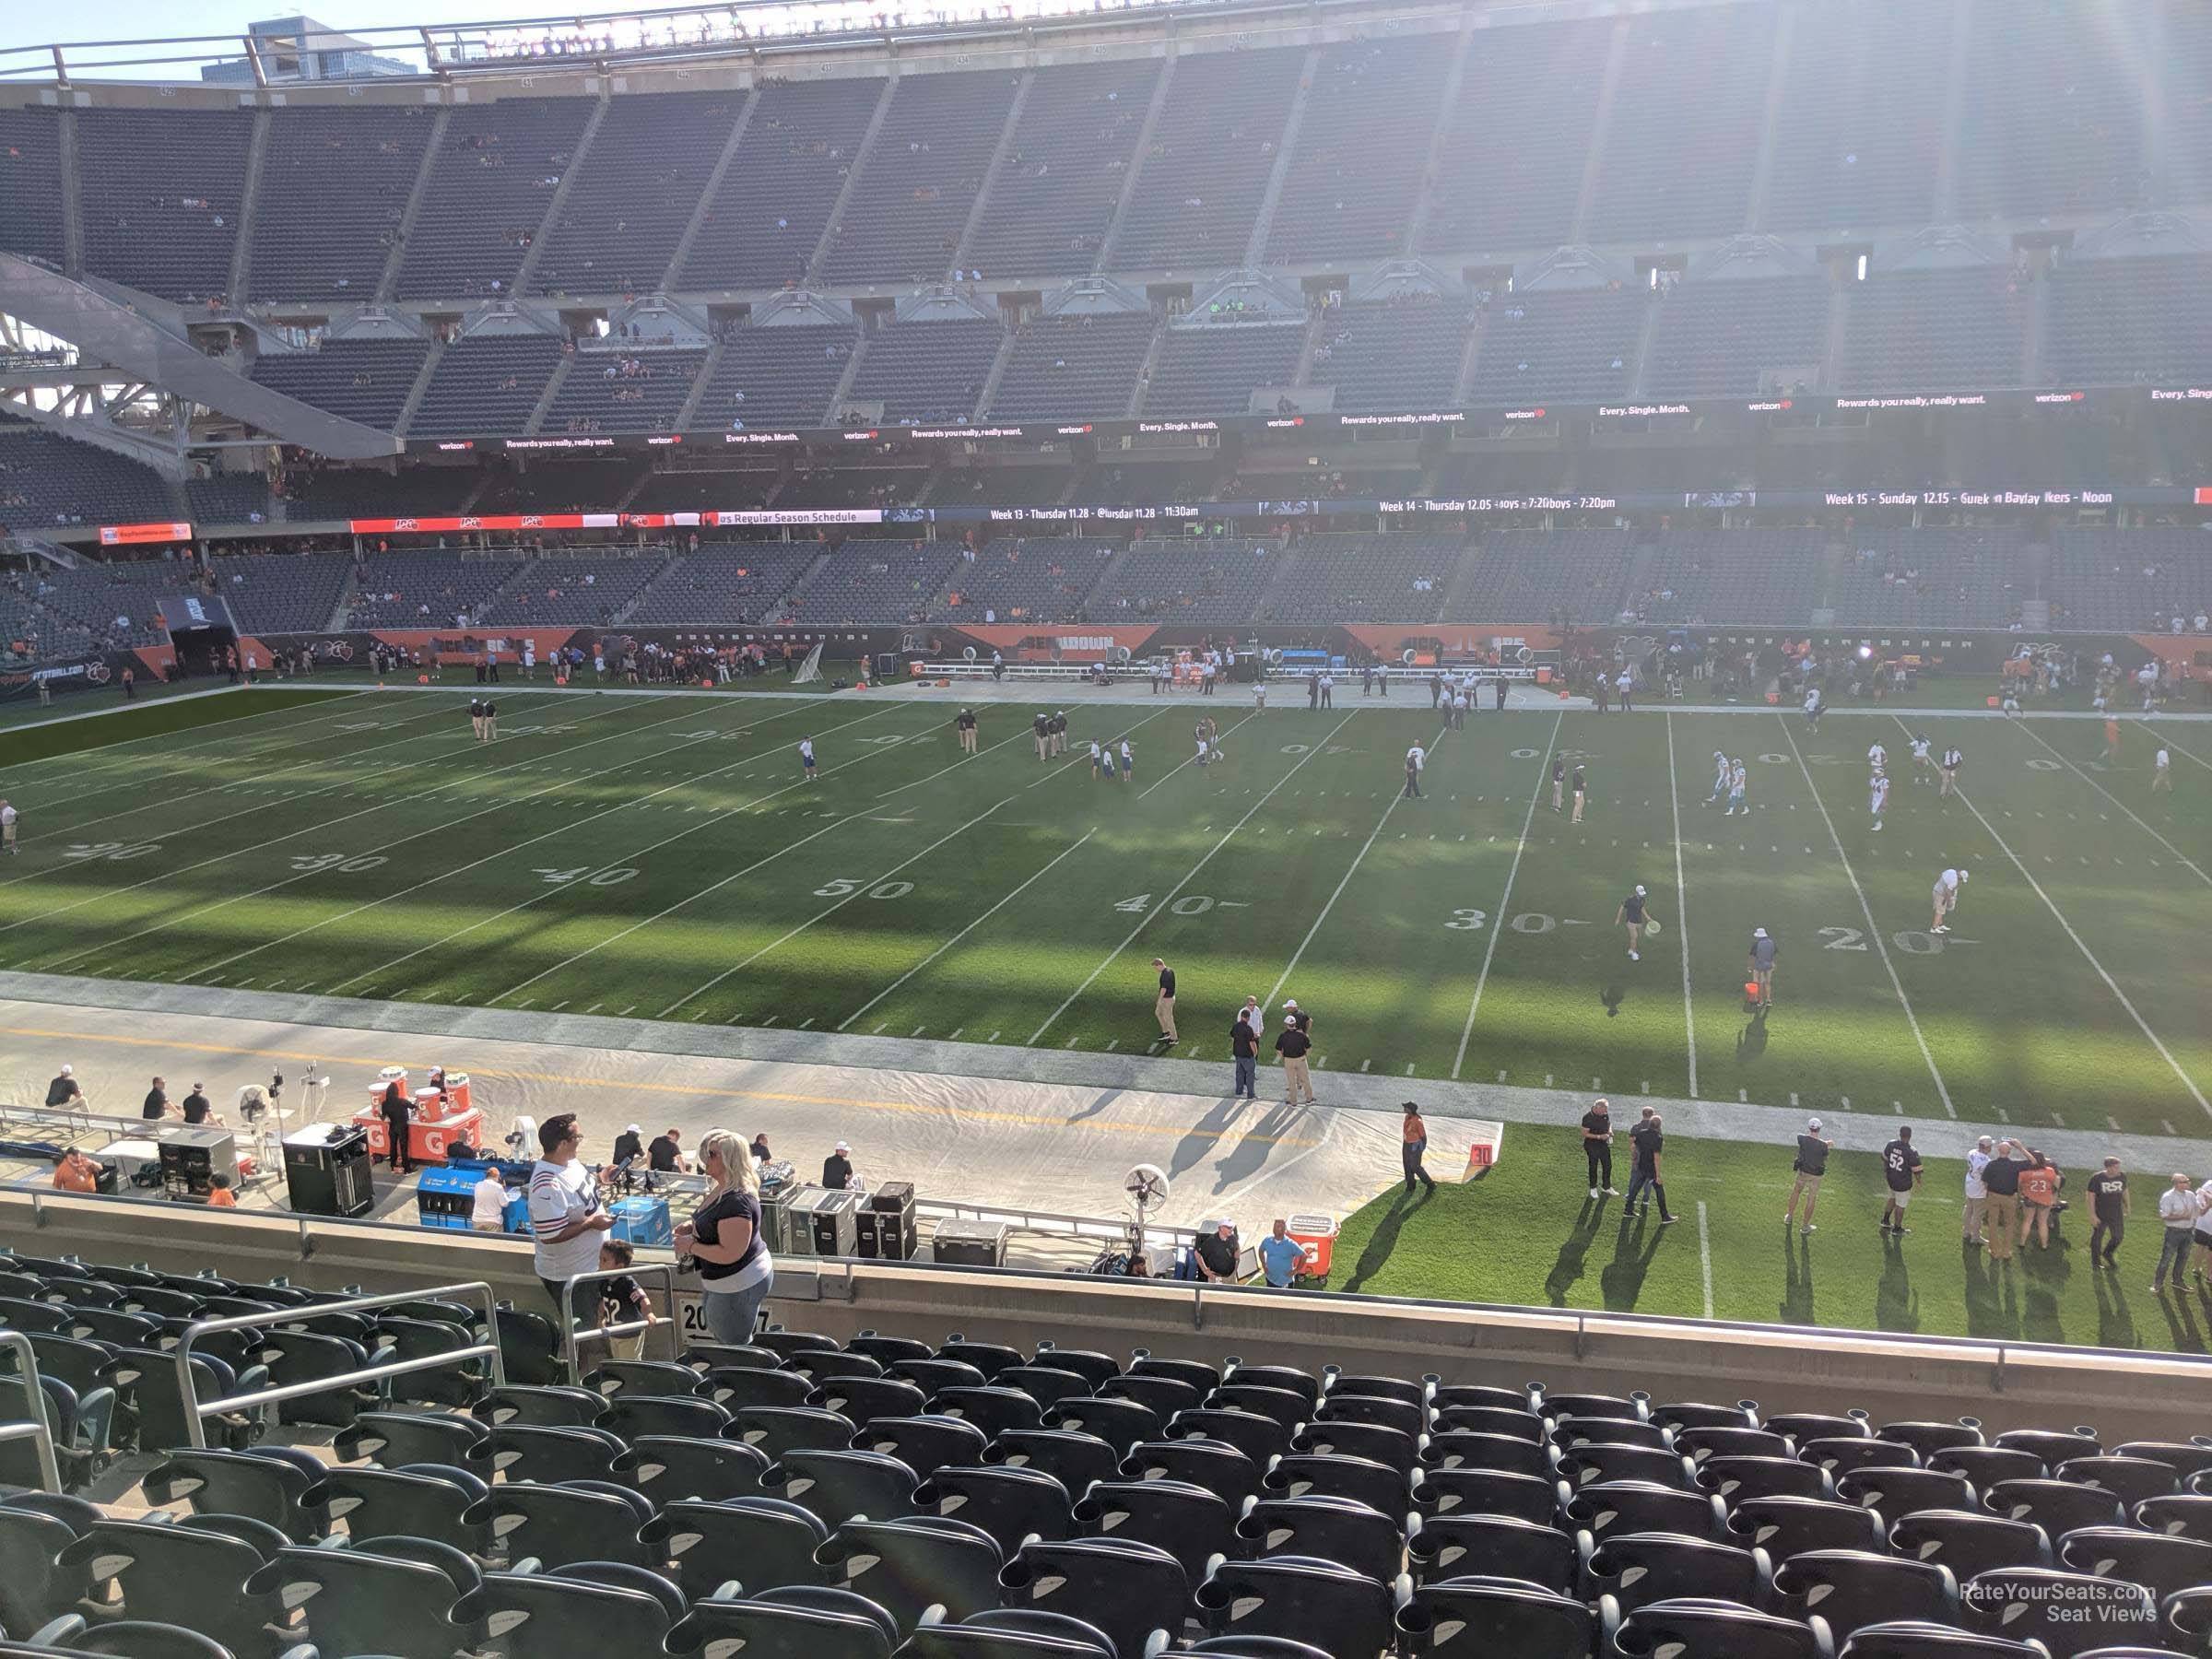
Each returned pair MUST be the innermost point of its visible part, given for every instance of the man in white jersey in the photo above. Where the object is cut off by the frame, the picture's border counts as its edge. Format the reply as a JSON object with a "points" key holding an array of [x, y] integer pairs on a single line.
{"points": [[8, 828], [1922, 762], [1737, 779], [1947, 898], [1812, 707], [1720, 779], [1128, 762], [2161, 774], [1878, 796], [1948, 769], [1415, 757], [807, 756], [1878, 757]]}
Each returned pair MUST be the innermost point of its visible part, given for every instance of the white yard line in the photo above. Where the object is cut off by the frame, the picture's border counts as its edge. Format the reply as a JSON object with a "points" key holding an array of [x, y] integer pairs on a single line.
{"points": [[136, 812], [1505, 903], [933, 777], [577, 823], [2109, 983], [1051, 773], [1190, 876], [964, 932], [92, 764], [439, 828], [1874, 930], [2162, 738], [424, 794], [1188, 759], [2188, 863], [1705, 1257], [701, 989], [106, 749], [1689, 1019], [1297, 955]]}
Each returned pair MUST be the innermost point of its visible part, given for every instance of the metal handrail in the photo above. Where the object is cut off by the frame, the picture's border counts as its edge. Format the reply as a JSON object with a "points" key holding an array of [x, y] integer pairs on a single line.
{"points": [[571, 1338], [197, 1409], [36, 1429]]}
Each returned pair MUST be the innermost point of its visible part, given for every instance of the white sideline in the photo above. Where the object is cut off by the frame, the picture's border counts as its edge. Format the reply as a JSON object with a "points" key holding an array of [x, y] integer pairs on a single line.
{"points": [[2111, 984], [105, 748], [1298, 955], [1506, 900], [1189, 876], [1873, 929], [1689, 1019]]}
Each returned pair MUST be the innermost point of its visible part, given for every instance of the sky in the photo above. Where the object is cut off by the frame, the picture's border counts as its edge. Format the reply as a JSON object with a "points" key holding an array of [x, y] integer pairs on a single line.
{"points": [[26, 24]]}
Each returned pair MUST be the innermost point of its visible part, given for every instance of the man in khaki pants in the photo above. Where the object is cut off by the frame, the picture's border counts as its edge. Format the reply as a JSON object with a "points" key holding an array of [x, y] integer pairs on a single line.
{"points": [[2001, 1210], [1163, 1005], [1292, 1046], [1977, 1194]]}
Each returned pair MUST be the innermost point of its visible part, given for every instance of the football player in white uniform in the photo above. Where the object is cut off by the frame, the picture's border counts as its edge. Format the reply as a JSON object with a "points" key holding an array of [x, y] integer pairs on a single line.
{"points": [[1947, 898], [1878, 796]]}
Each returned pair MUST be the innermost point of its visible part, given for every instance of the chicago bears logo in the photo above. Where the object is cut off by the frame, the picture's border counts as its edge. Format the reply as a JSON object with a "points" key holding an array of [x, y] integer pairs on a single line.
{"points": [[98, 672]]}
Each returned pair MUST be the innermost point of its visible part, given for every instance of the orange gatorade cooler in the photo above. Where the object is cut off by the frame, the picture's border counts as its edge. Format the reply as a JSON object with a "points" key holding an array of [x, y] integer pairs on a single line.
{"points": [[456, 1090], [384, 1079], [429, 1106], [1316, 1235]]}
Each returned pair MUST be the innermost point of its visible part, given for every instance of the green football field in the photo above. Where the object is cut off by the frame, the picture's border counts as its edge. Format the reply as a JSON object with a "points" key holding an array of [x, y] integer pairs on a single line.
{"points": [[1526, 1233], [661, 857]]}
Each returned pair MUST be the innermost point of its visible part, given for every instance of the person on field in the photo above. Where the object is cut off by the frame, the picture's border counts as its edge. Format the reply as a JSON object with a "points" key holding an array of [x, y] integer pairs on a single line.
{"points": [[1414, 1147], [1597, 1146], [1163, 1003], [1811, 1165]]}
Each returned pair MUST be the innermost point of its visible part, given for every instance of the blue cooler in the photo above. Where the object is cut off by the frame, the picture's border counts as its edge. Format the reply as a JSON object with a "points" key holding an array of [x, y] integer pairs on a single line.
{"points": [[643, 1221]]}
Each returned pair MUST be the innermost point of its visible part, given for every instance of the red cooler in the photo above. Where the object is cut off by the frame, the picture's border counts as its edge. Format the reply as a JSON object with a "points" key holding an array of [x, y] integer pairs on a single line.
{"points": [[1316, 1235]]}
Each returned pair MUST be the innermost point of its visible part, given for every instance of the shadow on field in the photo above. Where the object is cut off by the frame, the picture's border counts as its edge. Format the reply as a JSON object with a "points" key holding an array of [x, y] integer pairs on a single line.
{"points": [[1262, 1142], [1378, 1248], [1896, 1303], [1620, 1281], [1797, 1279], [1568, 1269]]}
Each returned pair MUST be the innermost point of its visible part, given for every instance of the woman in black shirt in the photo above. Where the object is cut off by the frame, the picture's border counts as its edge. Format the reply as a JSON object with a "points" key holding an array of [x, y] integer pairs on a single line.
{"points": [[723, 1238]]}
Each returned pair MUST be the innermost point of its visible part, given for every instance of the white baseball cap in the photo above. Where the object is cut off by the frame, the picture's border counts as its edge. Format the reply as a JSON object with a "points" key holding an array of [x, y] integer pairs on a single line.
{"points": [[635, 1130], [1639, 892], [1289, 1002], [1813, 1124], [1290, 1019], [842, 1147], [68, 1072]]}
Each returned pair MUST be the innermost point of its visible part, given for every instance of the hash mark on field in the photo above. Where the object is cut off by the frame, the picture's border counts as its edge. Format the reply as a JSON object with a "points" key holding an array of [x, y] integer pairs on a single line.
{"points": [[2168, 1123], [769, 1021], [595, 1008], [992, 1038], [1792, 1096], [2112, 1121], [2059, 1122], [1071, 1042], [1365, 1064], [879, 1028], [806, 1023], [558, 1007], [1743, 1096], [627, 1012], [1113, 1043], [1409, 1069], [1647, 1082], [1501, 1077], [955, 1033]]}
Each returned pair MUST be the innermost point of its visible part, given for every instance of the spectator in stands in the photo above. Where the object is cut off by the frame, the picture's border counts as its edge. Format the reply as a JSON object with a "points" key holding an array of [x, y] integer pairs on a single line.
{"points": [[761, 1152], [197, 1108], [220, 1196], [64, 1091], [667, 1155], [837, 1169], [2001, 1178], [565, 1216], [622, 1300], [723, 1238], [75, 1172], [1977, 1193], [1218, 1253], [629, 1146], [1281, 1256], [157, 1101], [2040, 1182]]}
